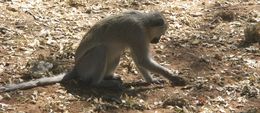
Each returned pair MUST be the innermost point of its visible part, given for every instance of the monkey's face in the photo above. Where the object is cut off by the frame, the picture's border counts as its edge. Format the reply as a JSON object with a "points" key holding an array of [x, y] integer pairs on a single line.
{"points": [[156, 33], [155, 40]]}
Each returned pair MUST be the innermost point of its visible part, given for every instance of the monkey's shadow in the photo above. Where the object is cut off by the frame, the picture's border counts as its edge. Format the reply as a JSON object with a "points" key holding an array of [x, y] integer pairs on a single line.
{"points": [[130, 89], [245, 44]]}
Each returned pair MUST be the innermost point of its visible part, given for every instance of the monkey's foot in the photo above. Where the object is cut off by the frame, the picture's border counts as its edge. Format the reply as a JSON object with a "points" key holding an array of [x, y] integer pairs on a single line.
{"points": [[111, 84], [113, 77], [178, 81]]}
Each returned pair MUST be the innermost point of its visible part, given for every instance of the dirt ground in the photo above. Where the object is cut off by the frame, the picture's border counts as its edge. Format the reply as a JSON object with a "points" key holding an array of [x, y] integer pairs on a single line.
{"points": [[202, 44]]}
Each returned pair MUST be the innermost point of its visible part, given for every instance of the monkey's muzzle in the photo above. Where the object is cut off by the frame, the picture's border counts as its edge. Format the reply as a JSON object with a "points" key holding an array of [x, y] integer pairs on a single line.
{"points": [[155, 40]]}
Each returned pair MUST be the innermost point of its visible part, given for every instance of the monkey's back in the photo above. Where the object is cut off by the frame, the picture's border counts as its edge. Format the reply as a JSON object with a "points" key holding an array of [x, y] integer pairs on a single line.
{"points": [[116, 30]]}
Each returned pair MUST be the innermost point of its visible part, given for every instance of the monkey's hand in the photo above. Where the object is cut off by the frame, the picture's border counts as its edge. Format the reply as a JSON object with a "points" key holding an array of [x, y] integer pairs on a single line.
{"points": [[157, 81], [175, 80], [153, 81], [178, 81]]}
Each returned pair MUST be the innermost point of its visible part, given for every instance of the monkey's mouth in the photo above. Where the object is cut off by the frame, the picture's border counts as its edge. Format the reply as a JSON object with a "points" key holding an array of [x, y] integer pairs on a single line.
{"points": [[155, 40]]}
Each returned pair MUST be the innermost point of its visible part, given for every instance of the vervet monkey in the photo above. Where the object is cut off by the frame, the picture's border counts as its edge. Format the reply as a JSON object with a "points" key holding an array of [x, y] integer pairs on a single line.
{"points": [[99, 51], [252, 33]]}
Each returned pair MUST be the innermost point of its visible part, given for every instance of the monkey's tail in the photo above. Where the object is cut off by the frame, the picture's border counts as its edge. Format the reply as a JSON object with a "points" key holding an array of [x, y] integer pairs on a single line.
{"points": [[37, 82]]}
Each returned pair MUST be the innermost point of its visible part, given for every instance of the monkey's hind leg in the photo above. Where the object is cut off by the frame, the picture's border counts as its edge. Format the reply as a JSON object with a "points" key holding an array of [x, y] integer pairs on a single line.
{"points": [[110, 80], [92, 68], [110, 71]]}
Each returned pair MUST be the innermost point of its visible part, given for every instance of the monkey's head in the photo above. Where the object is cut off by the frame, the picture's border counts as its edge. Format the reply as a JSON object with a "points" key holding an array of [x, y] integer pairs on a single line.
{"points": [[157, 25]]}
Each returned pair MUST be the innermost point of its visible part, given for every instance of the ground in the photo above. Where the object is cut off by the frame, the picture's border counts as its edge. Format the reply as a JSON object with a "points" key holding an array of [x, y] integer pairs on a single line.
{"points": [[202, 44]]}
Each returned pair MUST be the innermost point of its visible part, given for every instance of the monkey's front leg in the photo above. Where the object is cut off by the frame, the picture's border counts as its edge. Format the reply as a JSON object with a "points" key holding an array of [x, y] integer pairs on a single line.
{"points": [[153, 66], [176, 80], [147, 76]]}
